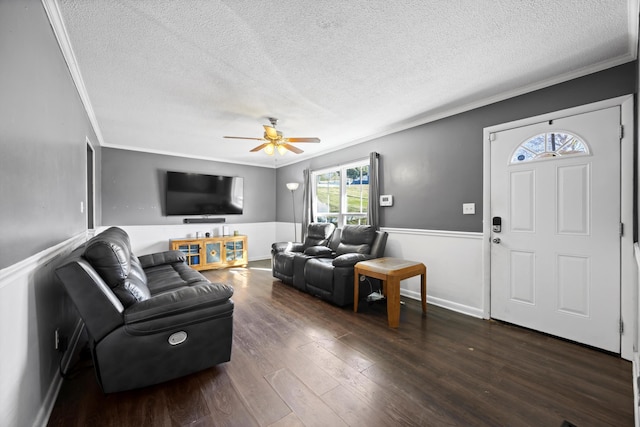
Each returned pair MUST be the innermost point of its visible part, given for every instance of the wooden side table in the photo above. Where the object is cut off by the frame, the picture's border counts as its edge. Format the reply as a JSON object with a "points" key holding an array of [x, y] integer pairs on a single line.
{"points": [[391, 271]]}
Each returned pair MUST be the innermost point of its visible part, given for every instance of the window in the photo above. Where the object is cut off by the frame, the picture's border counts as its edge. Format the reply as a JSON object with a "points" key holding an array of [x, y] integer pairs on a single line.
{"points": [[341, 195], [551, 144]]}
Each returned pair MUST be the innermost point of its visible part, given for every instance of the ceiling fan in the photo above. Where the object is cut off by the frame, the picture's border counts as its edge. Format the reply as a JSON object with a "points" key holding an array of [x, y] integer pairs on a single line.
{"points": [[273, 140]]}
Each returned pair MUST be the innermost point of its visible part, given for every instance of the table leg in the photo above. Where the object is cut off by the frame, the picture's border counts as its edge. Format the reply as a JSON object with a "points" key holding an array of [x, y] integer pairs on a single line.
{"points": [[423, 290], [356, 289], [393, 301]]}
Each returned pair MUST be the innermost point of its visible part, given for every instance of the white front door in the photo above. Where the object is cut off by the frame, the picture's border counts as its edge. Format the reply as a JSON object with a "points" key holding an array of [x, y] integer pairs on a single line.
{"points": [[555, 263]]}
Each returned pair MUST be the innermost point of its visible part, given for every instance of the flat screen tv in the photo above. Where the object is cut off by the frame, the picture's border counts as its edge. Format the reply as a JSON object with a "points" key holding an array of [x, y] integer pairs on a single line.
{"points": [[198, 194]]}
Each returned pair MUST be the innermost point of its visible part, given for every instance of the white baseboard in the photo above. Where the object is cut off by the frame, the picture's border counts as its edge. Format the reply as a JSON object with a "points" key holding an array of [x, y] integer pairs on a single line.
{"points": [[449, 305]]}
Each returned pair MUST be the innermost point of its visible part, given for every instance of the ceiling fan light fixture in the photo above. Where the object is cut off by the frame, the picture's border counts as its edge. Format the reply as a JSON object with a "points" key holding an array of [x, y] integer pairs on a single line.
{"points": [[269, 149], [273, 140]]}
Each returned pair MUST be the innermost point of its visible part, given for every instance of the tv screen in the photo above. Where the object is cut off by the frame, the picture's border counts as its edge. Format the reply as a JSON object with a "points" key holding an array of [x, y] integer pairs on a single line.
{"points": [[198, 194]]}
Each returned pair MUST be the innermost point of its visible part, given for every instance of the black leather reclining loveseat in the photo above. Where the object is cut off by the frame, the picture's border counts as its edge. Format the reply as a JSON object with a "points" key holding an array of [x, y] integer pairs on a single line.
{"points": [[149, 319], [326, 270], [288, 258], [331, 277]]}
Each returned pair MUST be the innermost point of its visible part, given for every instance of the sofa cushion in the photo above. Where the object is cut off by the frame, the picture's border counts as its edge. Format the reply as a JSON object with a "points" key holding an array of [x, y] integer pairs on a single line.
{"points": [[131, 290], [137, 271], [166, 257], [318, 251], [350, 259], [283, 262], [318, 234], [356, 239], [318, 272], [167, 277], [184, 299], [109, 253]]}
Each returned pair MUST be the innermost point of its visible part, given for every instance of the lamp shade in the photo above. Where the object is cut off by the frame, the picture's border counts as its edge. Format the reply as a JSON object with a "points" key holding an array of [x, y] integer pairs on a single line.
{"points": [[292, 186], [269, 149]]}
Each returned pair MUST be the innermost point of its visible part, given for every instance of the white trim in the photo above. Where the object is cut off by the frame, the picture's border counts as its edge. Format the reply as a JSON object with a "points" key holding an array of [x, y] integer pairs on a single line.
{"points": [[341, 168], [629, 276], [93, 182], [60, 30], [26, 265], [434, 233], [628, 269], [449, 305]]}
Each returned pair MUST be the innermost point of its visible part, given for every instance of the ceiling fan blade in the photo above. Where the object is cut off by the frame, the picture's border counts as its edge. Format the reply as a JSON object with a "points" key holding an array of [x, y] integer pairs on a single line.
{"points": [[259, 147], [271, 132], [292, 148], [302, 139], [244, 137]]}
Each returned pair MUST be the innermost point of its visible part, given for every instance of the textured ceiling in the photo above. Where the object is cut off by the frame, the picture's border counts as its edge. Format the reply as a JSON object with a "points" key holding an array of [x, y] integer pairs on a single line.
{"points": [[176, 76]]}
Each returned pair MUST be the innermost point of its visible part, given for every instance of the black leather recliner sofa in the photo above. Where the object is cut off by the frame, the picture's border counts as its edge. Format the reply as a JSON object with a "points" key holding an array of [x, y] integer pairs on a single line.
{"points": [[288, 258], [149, 319], [331, 278]]}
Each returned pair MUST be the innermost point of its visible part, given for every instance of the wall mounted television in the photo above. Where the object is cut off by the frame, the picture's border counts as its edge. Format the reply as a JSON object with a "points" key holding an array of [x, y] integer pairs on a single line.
{"points": [[199, 194]]}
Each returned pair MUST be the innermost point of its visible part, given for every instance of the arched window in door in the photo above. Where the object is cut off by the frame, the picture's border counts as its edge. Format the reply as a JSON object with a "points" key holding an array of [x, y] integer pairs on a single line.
{"points": [[550, 144]]}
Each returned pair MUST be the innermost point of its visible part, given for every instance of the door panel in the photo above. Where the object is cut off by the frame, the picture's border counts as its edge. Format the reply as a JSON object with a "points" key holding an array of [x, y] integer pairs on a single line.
{"points": [[556, 265]]}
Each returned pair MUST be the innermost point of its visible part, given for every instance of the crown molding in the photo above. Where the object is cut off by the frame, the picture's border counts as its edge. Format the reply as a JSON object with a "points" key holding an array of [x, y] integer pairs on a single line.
{"points": [[60, 30]]}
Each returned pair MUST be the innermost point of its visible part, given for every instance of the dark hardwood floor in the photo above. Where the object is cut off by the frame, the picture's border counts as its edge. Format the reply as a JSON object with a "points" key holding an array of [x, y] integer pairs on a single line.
{"points": [[299, 361]]}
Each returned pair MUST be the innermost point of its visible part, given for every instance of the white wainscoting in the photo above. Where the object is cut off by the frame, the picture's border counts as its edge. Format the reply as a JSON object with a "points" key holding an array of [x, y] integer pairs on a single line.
{"points": [[146, 239], [454, 266], [453, 259], [32, 306]]}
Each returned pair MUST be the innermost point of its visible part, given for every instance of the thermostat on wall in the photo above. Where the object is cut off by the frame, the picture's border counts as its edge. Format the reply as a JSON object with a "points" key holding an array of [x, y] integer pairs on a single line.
{"points": [[386, 200]]}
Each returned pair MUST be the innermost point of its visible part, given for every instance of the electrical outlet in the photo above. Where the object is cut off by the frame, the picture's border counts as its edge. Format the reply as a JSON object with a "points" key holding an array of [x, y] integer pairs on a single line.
{"points": [[468, 209]]}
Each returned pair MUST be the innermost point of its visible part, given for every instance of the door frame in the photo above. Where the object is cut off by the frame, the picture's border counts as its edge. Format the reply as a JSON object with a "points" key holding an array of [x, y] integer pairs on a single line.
{"points": [[628, 269], [90, 187]]}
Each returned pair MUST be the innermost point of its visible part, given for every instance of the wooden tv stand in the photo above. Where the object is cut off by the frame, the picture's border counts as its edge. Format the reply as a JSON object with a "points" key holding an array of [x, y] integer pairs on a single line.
{"points": [[208, 253]]}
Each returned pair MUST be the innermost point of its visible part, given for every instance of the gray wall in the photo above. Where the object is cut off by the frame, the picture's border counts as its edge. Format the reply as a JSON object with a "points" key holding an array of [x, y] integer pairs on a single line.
{"points": [[432, 169], [133, 187], [43, 129]]}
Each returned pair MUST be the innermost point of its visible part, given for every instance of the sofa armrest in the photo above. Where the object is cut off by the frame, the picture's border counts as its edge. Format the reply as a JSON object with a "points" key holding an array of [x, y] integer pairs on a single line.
{"points": [[287, 247], [182, 300], [159, 258], [349, 260], [319, 251]]}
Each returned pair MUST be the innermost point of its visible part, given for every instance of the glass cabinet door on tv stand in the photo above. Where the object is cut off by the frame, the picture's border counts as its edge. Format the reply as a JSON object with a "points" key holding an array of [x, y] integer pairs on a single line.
{"points": [[213, 252], [191, 250]]}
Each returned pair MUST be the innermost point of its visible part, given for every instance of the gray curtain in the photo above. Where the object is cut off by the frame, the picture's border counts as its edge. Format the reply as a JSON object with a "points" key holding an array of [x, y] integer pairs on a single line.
{"points": [[306, 202], [374, 190]]}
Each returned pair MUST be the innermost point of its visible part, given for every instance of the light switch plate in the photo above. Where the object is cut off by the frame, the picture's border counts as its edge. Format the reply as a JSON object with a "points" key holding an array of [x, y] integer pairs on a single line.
{"points": [[468, 208]]}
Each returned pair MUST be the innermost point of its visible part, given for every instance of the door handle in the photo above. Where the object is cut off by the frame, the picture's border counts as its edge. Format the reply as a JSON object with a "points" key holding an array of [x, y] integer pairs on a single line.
{"points": [[496, 240]]}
